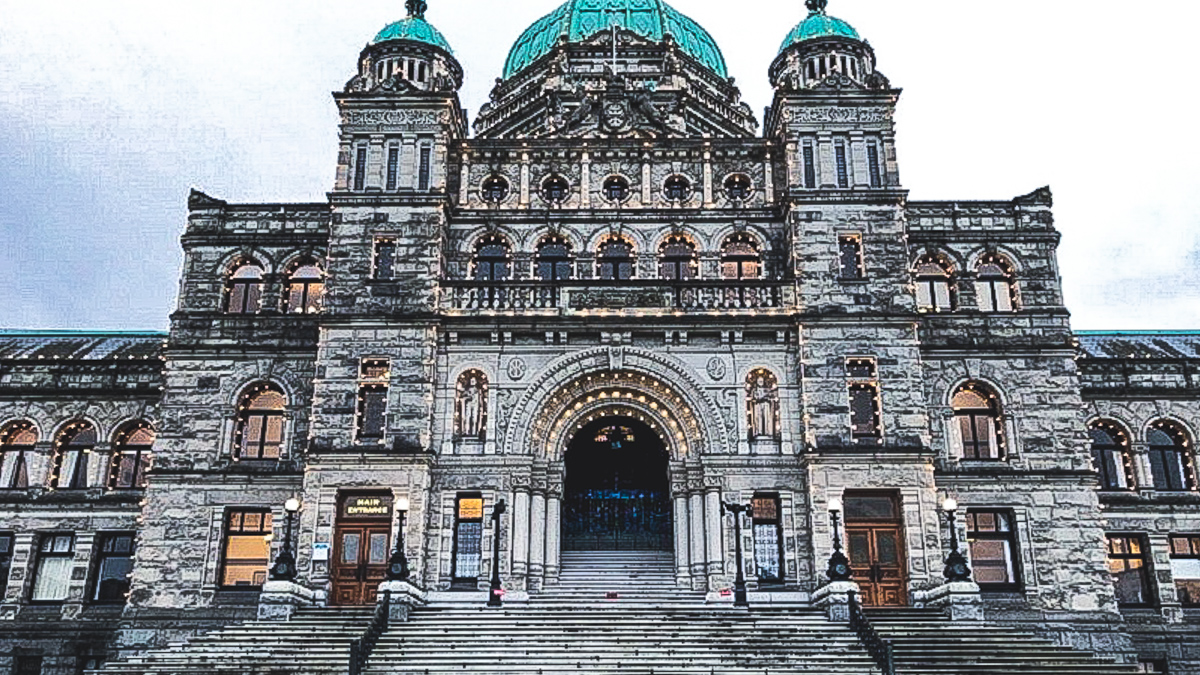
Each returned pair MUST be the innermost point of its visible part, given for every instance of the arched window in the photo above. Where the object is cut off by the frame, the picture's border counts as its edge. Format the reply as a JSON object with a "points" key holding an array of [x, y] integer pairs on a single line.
{"points": [[616, 189], [677, 259], [738, 187], [306, 290], [131, 457], [934, 289], [553, 262], [495, 189], [740, 258], [243, 290], [615, 260], [994, 288], [1110, 454], [72, 450], [1170, 457], [17, 443], [260, 421], [555, 189], [977, 412], [491, 262]]}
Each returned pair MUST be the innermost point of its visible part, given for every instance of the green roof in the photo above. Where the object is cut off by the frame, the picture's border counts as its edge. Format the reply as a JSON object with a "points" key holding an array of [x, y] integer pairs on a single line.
{"points": [[415, 29], [818, 24], [578, 20]]}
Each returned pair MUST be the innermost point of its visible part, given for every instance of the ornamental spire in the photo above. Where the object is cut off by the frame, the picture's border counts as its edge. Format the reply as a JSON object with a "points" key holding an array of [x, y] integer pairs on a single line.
{"points": [[816, 6], [416, 8]]}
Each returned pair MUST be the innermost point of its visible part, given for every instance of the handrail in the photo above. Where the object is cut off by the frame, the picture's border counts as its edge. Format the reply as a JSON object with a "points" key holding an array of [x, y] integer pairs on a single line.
{"points": [[879, 648], [361, 648], [576, 294]]}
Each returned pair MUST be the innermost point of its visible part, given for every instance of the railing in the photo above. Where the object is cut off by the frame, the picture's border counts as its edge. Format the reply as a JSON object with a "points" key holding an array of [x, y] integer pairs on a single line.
{"points": [[879, 648], [361, 648], [603, 294]]}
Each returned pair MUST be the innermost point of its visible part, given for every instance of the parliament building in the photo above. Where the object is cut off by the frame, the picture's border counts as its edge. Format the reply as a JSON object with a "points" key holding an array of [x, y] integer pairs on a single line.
{"points": [[626, 360]]}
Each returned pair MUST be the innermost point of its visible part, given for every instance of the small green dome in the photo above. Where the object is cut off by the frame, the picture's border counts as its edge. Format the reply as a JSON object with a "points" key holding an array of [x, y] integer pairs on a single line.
{"points": [[578, 20], [414, 27], [818, 24]]}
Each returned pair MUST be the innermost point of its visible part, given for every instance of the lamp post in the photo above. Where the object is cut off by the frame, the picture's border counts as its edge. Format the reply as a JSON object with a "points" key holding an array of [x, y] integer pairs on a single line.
{"points": [[495, 594], [284, 568], [957, 569], [397, 569], [839, 565], [739, 584]]}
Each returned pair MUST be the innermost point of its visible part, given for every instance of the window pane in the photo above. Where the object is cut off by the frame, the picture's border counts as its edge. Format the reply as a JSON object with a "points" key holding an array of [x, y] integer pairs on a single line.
{"points": [[469, 543], [378, 551], [351, 541], [766, 551], [53, 578], [112, 581]]}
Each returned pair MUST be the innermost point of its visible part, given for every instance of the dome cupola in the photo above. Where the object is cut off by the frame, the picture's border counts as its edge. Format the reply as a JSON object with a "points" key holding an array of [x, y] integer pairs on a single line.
{"points": [[825, 51], [408, 55], [577, 20]]}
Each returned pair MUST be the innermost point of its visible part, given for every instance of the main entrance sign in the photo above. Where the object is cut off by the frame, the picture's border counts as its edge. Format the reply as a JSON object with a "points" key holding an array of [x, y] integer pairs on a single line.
{"points": [[617, 495]]}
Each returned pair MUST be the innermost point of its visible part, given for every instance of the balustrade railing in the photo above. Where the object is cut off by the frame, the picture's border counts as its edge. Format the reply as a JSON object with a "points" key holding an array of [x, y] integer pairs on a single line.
{"points": [[599, 294], [879, 648], [361, 648]]}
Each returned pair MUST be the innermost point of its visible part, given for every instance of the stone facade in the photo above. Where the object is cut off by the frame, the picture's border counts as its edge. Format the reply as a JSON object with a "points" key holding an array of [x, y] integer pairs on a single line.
{"points": [[770, 307]]}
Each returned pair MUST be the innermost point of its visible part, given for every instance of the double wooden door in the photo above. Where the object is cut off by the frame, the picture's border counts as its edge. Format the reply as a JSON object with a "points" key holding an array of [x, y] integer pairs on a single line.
{"points": [[876, 552], [360, 559]]}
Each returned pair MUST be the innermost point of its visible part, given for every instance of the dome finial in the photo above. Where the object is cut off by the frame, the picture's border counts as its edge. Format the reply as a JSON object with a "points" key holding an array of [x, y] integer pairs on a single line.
{"points": [[416, 8], [816, 6]]}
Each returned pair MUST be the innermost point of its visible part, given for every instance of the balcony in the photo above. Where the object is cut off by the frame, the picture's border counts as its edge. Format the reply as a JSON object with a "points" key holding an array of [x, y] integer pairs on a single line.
{"points": [[617, 297]]}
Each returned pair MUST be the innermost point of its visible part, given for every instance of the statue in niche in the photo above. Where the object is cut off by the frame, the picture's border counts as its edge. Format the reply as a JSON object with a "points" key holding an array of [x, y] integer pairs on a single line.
{"points": [[763, 398], [471, 408]]}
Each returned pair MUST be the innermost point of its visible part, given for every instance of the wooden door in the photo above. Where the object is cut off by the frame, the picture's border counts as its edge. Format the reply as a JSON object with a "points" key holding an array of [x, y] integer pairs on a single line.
{"points": [[360, 560], [877, 559]]}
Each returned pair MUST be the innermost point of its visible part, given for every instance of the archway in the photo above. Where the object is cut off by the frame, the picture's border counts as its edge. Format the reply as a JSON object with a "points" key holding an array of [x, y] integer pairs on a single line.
{"points": [[616, 493]]}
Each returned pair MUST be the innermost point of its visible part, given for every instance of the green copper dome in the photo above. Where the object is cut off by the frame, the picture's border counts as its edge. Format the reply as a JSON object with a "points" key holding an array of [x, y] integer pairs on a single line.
{"points": [[818, 24], [577, 20], [414, 27]]}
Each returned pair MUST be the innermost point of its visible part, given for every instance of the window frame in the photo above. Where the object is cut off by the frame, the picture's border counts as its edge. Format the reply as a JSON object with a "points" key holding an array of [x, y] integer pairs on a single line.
{"points": [[777, 524], [1192, 544], [674, 266], [101, 557], [42, 556], [374, 379], [244, 295], [1009, 537], [8, 540], [612, 186], [1146, 571], [381, 270], [615, 263], [677, 188], [932, 283], [540, 258], [1179, 452], [66, 444], [266, 528], [143, 457], [991, 288], [246, 415], [495, 189], [851, 246], [1104, 456], [741, 260], [459, 498], [311, 290], [486, 265], [975, 416], [862, 376], [18, 478]]}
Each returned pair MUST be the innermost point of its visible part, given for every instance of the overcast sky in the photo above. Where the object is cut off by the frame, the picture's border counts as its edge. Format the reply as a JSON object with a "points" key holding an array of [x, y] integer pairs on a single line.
{"points": [[111, 109]]}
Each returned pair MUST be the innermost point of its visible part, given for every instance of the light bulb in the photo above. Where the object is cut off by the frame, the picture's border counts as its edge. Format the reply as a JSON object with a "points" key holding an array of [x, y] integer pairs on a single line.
{"points": [[951, 504]]}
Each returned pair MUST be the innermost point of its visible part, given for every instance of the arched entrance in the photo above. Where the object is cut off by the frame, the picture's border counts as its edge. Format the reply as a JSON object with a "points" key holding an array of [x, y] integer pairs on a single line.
{"points": [[616, 492]]}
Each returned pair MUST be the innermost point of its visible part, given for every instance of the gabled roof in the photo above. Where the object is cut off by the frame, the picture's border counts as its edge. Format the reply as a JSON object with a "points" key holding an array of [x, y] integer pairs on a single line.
{"points": [[1172, 345]]}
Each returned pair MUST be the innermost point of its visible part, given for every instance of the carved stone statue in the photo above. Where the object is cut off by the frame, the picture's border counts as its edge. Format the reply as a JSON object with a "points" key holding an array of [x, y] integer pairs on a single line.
{"points": [[764, 407], [471, 408]]}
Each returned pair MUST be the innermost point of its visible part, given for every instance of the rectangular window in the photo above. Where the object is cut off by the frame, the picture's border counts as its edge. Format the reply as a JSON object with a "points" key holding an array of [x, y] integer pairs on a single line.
{"points": [[27, 664], [424, 172], [768, 544], [873, 164], [89, 657], [1185, 567], [372, 399], [1129, 568], [393, 167], [360, 169], [865, 427], [114, 563], [6, 556], [1152, 667], [993, 541], [843, 170], [247, 549], [385, 260], [850, 258], [468, 537], [52, 576], [810, 165]]}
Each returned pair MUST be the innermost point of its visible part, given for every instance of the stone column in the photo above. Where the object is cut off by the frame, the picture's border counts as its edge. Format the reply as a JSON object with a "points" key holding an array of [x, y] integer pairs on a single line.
{"points": [[520, 526], [585, 181], [682, 571], [696, 539], [376, 162], [1141, 466], [553, 526], [712, 530], [537, 539], [708, 180], [1159, 553]]}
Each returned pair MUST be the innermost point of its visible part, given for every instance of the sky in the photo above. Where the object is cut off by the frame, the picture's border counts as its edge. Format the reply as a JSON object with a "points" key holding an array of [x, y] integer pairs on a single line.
{"points": [[110, 110]]}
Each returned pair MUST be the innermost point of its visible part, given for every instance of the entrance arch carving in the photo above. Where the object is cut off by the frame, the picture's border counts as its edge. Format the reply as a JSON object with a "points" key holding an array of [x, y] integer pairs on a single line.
{"points": [[654, 385]]}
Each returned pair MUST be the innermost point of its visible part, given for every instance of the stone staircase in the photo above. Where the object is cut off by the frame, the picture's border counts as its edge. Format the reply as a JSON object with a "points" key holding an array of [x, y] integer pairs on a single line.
{"points": [[927, 643], [614, 614]]}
